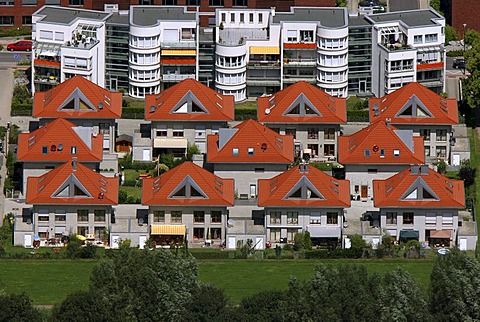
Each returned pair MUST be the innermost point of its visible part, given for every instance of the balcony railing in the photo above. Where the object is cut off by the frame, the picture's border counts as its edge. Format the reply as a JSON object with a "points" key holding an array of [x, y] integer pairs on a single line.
{"points": [[176, 77]]}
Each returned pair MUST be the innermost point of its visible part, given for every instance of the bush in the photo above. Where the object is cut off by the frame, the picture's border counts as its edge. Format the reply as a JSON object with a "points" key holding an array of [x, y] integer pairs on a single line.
{"points": [[217, 254], [358, 116], [133, 113], [122, 196], [245, 114], [132, 183], [15, 32], [337, 253], [455, 53]]}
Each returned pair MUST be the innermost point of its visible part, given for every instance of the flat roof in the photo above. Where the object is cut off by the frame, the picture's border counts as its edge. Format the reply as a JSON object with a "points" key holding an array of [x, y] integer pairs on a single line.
{"points": [[328, 17], [358, 21], [150, 15], [68, 15], [118, 18], [413, 18]]}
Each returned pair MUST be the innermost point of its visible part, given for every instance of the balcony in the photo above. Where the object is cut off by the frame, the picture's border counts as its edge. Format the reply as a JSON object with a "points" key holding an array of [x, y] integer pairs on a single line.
{"points": [[300, 61], [430, 65], [236, 37], [179, 44], [176, 77], [263, 64], [301, 45], [52, 80]]}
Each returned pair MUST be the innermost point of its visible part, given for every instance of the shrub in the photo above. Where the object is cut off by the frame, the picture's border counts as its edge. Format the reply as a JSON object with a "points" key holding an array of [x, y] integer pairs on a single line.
{"points": [[217, 254], [336, 253], [122, 196], [245, 114], [358, 116], [133, 113]]}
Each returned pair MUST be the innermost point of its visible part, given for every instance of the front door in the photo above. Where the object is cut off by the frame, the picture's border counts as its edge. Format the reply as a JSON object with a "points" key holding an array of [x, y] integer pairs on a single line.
{"points": [[231, 243], [362, 86], [141, 242], [364, 191]]}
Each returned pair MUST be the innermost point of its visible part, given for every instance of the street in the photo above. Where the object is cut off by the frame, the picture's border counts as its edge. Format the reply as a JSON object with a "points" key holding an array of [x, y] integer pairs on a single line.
{"points": [[14, 56]]}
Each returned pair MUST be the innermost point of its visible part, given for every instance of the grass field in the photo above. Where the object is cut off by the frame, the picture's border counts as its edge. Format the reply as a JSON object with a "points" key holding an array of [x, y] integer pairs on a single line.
{"points": [[132, 191], [49, 281]]}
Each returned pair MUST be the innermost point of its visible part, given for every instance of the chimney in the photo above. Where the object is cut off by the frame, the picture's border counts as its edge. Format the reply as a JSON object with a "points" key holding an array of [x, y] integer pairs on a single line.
{"points": [[301, 167], [387, 121], [74, 164], [424, 169], [306, 168], [414, 169]]}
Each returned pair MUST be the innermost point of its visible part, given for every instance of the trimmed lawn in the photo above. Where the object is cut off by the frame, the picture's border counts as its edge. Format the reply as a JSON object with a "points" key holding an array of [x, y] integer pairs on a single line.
{"points": [[49, 281], [135, 103], [248, 105], [132, 191], [131, 174]]}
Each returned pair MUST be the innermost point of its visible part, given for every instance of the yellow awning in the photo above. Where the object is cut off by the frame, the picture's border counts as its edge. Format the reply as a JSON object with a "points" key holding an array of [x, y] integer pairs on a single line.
{"points": [[170, 143], [265, 50], [179, 52], [168, 230]]}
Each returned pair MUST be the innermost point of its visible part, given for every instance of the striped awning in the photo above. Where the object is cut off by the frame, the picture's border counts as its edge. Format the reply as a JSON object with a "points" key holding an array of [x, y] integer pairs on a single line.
{"points": [[178, 230], [265, 50], [170, 143], [179, 52], [441, 234]]}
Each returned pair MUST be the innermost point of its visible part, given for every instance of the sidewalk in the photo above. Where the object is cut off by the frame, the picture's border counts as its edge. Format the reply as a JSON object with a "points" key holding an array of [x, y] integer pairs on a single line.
{"points": [[6, 92]]}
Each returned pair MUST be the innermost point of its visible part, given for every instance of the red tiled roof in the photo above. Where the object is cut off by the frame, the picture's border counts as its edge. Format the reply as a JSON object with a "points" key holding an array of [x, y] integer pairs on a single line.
{"points": [[216, 107], [275, 192], [268, 146], [58, 134], [271, 109], [377, 137], [159, 190], [443, 110], [49, 104], [42, 189], [391, 192]]}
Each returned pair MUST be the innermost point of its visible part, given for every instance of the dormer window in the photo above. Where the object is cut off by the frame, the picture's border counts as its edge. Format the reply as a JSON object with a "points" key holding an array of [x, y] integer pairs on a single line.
{"points": [[44, 149], [250, 151], [235, 152], [366, 153], [396, 153], [73, 150]]}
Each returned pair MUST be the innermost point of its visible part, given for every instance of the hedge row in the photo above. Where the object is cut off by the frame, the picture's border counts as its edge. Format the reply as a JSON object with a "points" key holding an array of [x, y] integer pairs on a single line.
{"points": [[210, 255], [21, 110], [133, 113], [245, 114], [358, 116], [336, 253]]}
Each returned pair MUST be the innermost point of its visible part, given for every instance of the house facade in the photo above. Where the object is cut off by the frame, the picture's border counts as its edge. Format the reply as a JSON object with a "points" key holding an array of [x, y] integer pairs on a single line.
{"points": [[377, 152], [71, 198], [312, 116], [304, 199], [419, 203], [415, 107], [187, 203], [248, 152], [184, 115]]}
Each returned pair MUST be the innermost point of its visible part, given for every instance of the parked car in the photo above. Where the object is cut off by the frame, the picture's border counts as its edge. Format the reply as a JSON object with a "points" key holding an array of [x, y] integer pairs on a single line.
{"points": [[459, 63], [22, 45]]}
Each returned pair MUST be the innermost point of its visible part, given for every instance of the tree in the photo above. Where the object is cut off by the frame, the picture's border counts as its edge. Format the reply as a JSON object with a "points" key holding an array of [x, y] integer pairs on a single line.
{"points": [[450, 34], [191, 150], [18, 307], [467, 173], [455, 288], [357, 242], [471, 85], [208, 303], [81, 306], [264, 306], [435, 4]]}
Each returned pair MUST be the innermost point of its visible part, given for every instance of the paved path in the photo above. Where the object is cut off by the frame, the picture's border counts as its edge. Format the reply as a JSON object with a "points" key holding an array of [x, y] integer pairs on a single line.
{"points": [[6, 92]]}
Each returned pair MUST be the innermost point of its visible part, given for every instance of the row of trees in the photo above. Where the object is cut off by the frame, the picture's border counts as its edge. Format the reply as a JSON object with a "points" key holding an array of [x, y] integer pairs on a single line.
{"points": [[142, 285]]}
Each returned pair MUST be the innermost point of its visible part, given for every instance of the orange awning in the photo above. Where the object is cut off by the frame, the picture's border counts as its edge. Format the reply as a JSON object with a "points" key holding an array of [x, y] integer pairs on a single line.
{"points": [[441, 234], [168, 230]]}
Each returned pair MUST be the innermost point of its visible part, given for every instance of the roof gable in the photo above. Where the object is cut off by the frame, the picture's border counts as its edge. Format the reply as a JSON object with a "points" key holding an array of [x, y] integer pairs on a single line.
{"points": [[72, 188], [188, 184], [414, 104], [249, 142], [419, 190], [303, 186], [301, 103], [77, 101], [189, 100]]}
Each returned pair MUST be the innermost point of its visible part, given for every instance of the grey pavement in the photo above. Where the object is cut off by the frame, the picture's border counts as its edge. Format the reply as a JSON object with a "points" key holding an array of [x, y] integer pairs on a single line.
{"points": [[6, 91]]}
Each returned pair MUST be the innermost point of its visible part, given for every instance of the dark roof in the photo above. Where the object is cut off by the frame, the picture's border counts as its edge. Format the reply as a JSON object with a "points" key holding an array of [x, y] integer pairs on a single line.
{"points": [[327, 17], [118, 19], [358, 22], [149, 16], [413, 18], [67, 15]]}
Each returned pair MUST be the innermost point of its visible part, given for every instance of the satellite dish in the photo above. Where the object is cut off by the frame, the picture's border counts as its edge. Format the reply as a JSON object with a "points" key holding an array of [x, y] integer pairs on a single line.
{"points": [[60, 147], [140, 221], [100, 105], [230, 223], [267, 111]]}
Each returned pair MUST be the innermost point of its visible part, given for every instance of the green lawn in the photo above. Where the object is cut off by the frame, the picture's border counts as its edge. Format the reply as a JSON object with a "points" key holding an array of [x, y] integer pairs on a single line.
{"points": [[131, 191], [131, 174], [135, 103], [249, 105], [474, 159], [49, 281]]}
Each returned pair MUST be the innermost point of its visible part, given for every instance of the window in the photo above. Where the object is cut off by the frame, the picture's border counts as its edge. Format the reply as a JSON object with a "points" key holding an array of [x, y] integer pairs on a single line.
{"points": [[60, 217], [275, 235], [418, 39], [199, 233], [223, 17], [250, 151], [396, 153], [178, 133], [291, 234], [235, 152], [82, 230], [7, 3], [242, 18], [408, 218], [366, 153], [232, 17], [44, 218], [194, 3], [291, 132], [82, 215], [240, 3], [99, 215], [332, 218], [275, 217], [26, 20], [447, 219], [162, 133], [329, 134], [431, 38], [312, 134], [427, 151], [426, 134], [216, 3], [6, 20], [250, 18], [99, 233], [315, 218], [216, 217], [76, 2], [176, 217], [441, 151], [391, 218], [291, 35], [169, 2], [329, 149], [73, 150], [430, 219], [199, 216], [29, 2], [306, 35], [292, 218], [441, 135], [158, 216], [44, 149], [215, 233], [382, 153], [260, 18]]}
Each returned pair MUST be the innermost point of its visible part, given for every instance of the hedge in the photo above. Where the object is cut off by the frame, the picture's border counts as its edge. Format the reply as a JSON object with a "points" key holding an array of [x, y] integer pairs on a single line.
{"points": [[210, 255], [336, 253], [358, 116], [245, 114], [133, 113], [21, 110]]}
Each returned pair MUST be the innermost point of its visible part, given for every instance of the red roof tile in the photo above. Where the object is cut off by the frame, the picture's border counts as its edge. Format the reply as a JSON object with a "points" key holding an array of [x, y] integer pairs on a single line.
{"points": [[401, 190], [58, 136], [375, 138], [276, 192], [276, 108], [162, 189], [268, 146], [442, 110], [96, 189], [210, 105], [50, 104]]}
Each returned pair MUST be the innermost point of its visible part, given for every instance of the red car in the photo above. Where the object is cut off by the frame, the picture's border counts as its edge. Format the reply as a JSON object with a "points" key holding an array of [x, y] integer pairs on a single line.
{"points": [[22, 45]]}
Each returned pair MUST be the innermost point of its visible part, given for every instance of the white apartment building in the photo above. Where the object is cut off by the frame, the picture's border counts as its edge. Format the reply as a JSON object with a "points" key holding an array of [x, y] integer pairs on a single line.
{"points": [[163, 48], [67, 42], [407, 47], [261, 51]]}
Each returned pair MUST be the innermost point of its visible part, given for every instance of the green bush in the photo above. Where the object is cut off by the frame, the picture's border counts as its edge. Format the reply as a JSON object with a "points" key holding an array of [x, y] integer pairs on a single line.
{"points": [[15, 32], [245, 114], [122, 196], [358, 116], [337, 253], [138, 165], [455, 53], [210, 255], [133, 113], [132, 183]]}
